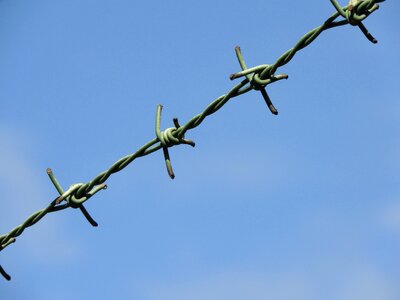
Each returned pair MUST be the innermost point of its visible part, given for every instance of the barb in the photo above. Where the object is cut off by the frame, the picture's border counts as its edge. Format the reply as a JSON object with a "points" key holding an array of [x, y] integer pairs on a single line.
{"points": [[61, 192], [169, 138], [356, 12], [255, 78]]}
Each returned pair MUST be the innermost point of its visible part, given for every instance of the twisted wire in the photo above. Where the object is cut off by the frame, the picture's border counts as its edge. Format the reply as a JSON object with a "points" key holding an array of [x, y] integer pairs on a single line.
{"points": [[254, 78]]}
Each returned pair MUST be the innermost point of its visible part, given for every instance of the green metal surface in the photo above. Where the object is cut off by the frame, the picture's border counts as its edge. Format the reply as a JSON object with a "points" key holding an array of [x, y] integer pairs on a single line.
{"points": [[255, 78]]}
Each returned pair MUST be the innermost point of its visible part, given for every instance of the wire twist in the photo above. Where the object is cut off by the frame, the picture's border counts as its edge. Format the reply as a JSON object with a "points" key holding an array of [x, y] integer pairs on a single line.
{"points": [[169, 138], [255, 78], [356, 12]]}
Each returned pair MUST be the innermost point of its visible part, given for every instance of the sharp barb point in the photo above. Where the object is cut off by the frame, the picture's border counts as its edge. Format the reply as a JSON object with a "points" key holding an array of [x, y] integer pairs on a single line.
{"points": [[367, 34], [176, 123], [88, 216], [273, 110], [4, 274]]}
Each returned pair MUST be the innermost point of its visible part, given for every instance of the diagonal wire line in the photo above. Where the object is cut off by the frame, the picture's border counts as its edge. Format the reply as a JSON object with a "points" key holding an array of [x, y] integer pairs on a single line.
{"points": [[255, 78]]}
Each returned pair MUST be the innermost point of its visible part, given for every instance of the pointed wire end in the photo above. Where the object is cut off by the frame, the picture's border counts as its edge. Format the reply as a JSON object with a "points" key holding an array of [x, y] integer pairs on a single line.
{"points": [[88, 216], [189, 142], [367, 34], [237, 48], [4, 273], [168, 163], [93, 223], [273, 110], [268, 101], [374, 7], [169, 169], [176, 123], [97, 189], [370, 37], [278, 77], [234, 76], [102, 186], [49, 171]]}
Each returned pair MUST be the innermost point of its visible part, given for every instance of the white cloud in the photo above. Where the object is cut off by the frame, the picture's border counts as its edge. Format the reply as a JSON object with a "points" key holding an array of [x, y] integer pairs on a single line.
{"points": [[21, 195]]}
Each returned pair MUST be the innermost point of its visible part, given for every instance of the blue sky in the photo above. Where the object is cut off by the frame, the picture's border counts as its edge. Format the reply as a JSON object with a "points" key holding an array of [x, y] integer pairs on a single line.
{"points": [[303, 205]]}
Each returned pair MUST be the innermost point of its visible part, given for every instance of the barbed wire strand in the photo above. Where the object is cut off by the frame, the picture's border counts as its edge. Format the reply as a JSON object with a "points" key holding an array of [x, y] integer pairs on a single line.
{"points": [[255, 78]]}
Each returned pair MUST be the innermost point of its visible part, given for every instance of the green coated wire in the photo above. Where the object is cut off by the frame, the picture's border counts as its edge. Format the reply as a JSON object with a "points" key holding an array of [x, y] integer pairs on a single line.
{"points": [[255, 78]]}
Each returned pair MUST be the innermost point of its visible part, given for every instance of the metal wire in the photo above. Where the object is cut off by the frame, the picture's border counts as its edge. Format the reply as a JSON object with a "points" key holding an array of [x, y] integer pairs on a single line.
{"points": [[255, 78]]}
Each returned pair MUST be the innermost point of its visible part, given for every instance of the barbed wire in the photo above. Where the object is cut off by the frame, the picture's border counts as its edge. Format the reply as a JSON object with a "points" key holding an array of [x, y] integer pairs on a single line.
{"points": [[256, 78]]}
